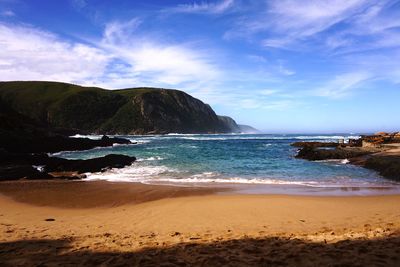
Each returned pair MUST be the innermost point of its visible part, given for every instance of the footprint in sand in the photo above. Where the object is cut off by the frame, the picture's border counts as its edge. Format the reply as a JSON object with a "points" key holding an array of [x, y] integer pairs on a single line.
{"points": [[176, 234]]}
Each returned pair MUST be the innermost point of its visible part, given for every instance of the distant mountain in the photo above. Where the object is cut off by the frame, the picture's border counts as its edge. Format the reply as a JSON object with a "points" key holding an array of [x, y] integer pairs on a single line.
{"points": [[69, 107], [230, 123], [248, 129]]}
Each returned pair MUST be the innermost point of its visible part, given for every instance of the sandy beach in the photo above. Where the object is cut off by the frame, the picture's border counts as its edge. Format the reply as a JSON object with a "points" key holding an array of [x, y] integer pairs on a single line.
{"points": [[63, 223]]}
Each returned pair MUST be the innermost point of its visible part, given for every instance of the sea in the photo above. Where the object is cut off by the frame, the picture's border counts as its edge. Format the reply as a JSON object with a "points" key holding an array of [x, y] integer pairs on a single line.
{"points": [[250, 163]]}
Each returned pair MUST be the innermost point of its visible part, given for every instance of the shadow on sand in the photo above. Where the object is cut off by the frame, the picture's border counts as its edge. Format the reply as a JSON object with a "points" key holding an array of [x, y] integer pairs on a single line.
{"points": [[272, 251]]}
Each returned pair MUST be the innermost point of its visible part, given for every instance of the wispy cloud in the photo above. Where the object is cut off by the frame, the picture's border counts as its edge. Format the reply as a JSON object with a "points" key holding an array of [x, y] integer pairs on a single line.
{"points": [[7, 13], [343, 85], [268, 92], [290, 24], [203, 7], [78, 4], [276, 105], [305, 18]]}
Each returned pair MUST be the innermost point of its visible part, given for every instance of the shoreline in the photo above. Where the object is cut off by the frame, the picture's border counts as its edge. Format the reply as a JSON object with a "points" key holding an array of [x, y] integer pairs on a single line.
{"points": [[210, 228], [92, 194], [100, 193]]}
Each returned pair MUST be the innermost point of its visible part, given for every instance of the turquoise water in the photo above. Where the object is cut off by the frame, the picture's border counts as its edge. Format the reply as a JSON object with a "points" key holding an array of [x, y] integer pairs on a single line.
{"points": [[231, 158]]}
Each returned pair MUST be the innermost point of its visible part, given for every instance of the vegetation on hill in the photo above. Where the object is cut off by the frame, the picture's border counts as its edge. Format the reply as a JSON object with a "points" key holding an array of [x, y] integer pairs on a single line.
{"points": [[126, 111]]}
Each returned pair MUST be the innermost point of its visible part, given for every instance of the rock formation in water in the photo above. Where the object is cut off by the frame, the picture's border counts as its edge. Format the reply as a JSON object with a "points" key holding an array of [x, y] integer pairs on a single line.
{"points": [[379, 152]]}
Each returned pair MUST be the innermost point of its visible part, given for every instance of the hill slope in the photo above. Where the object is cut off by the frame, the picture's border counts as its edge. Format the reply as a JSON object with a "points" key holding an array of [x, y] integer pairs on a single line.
{"points": [[126, 111]]}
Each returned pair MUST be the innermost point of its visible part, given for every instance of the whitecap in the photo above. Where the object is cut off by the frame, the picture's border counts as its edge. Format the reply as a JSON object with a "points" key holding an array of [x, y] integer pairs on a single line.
{"points": [[150, 159], [133, 173]]}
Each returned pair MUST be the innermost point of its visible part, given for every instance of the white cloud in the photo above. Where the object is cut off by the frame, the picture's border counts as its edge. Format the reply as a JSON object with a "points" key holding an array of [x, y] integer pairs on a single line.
{"points": [[343, 85], [154, 62], [120, 59], [28, 53], [117, 31], [203, 7]]}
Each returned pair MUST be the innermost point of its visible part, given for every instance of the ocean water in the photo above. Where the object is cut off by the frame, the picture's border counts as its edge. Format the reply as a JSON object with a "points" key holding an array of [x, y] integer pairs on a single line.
{"points": [[241, 159]]}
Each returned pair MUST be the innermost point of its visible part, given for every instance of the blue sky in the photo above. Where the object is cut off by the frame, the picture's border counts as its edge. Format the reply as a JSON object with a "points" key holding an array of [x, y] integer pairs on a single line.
{"points": [[278, 65]]}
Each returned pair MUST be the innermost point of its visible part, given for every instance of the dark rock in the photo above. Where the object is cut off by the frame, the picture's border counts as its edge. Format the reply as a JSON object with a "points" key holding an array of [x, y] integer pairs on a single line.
{"points": [[15, 166], [387, 166], [37, 144], [313, 153], [315, 144], [16, 172], [54, 164]]}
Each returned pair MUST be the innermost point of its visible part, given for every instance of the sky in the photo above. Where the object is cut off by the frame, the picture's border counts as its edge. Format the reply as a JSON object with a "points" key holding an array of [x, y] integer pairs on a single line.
{"points": [[281, 66]]}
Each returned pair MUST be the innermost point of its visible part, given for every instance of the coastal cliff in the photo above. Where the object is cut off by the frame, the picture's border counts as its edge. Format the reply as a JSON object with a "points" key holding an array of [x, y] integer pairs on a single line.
{"points": [[126, 111]]}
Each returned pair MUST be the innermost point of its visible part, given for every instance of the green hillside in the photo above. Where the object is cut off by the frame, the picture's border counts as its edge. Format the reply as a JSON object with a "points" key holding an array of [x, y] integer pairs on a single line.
{"points": [[126, 111]]}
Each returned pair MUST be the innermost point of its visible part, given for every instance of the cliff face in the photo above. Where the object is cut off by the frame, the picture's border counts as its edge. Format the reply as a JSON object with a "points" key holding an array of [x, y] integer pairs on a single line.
{"points": [[230, 123], [127, 111]]}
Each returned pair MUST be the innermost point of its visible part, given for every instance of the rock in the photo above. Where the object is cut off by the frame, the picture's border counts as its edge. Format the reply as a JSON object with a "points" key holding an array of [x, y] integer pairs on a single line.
{"points": [[312, 153], [89, 165], [315, 144], [387, 166], [51, 144], [21, 171], [15, 166]]}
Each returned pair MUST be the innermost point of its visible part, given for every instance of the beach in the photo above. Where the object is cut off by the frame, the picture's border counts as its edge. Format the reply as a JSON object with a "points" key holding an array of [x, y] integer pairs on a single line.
{"points": [[92, 223]]}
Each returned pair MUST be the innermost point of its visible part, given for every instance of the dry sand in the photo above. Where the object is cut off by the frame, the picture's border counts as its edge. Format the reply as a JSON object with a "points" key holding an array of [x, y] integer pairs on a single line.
{"points": [[123, 227]]}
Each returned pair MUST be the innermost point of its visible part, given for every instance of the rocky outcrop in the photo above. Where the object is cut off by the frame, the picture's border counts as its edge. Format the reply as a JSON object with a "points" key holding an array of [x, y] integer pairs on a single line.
{"points": [[19, 133], [379, 139], [315, 153], [15, 166], [315, 144], [387, 165], [37, 144], [53, 164], [24, 140], [386, 160], [127, 111]]}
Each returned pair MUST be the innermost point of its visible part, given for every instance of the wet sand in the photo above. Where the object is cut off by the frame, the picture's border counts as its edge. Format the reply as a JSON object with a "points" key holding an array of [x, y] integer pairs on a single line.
{"points": [[141, 225], [82, 194]]}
